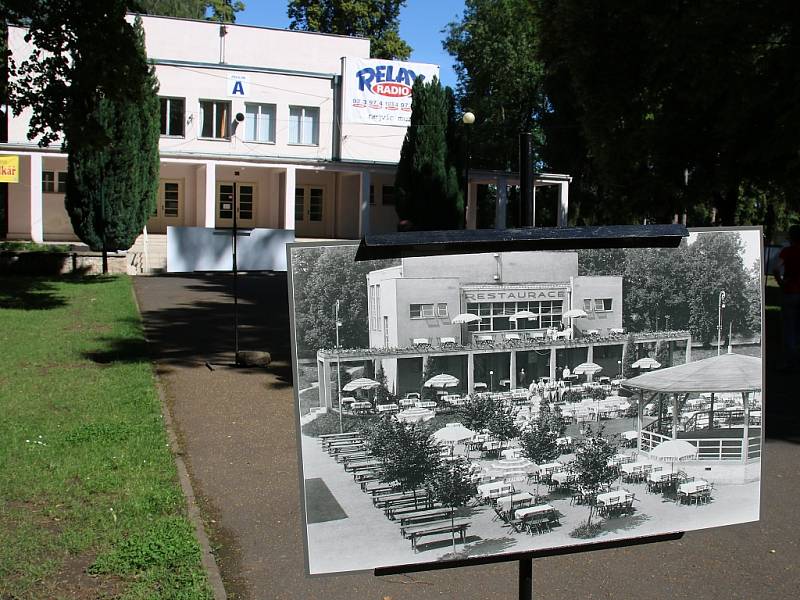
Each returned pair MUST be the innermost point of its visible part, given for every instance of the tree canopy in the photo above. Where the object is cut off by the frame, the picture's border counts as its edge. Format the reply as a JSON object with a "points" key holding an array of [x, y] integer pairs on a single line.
{"points": [[377, 20], [213, 10]]}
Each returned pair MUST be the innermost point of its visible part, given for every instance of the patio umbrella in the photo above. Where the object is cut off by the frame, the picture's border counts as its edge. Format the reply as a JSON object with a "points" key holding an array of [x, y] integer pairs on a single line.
{"points": [[480, 385], [523, 314], [441, 381], [508, 466], [574, 313], [415, 415], [362, 383], [463, 318], [673, 450], [587, 368], [646, 363], [452, 433]]}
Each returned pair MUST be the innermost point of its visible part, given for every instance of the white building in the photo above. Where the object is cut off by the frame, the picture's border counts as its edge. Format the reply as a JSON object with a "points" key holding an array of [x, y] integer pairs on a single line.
{"points": [[290, 117]]}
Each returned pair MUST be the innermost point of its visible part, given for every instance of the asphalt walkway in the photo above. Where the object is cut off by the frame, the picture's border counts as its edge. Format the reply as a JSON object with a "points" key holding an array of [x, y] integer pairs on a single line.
{"points": [[237, 431]]}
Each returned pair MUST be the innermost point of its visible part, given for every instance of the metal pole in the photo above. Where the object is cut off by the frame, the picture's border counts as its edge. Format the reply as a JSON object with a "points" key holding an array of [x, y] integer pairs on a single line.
{"points": [[338, 368], [235, 285], [526, 179], [525, 579], [721, 305]]}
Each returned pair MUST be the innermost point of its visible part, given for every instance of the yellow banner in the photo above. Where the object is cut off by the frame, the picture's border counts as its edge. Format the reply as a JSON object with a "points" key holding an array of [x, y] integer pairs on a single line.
{"points": [[9, 169]]}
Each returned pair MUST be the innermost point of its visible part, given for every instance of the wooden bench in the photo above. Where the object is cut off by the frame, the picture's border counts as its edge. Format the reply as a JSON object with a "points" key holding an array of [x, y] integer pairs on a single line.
{"points": [[395, 512], [431, 514], [386, 500], [418, 531]]}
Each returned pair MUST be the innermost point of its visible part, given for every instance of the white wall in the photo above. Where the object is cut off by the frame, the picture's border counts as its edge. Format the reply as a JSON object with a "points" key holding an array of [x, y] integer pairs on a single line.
{"points": [[599, 287]]}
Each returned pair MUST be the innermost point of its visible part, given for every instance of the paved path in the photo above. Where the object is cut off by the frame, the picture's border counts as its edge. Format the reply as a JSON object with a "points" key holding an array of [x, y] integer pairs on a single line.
{"points": [[238, 435]]}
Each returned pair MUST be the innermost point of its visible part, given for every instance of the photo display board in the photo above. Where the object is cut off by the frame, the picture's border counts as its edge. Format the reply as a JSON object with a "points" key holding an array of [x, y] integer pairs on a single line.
{"points": [[466, 407]]}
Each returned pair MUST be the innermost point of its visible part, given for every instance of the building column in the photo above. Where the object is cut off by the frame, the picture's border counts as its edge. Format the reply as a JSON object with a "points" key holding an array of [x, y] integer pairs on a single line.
{"points": [[363, 213], [552, 364], [746, 430], [470, 372], [674, 416], [639, 410], [512, 385], [689, 350], [35, 182], [563, 203], [207, 213], [323, 383], [327, 397], [290, 181], [501, 206], [590, 353]]}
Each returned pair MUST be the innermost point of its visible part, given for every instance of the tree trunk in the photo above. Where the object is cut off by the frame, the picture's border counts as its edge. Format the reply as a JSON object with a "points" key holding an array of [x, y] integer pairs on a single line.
{"points": [[105, 260]]}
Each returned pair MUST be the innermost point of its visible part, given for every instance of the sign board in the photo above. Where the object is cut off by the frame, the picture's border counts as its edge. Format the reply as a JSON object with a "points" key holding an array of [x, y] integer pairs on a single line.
{"points": [[238, 86], [9, 169], [663, 435], [378, 91]]}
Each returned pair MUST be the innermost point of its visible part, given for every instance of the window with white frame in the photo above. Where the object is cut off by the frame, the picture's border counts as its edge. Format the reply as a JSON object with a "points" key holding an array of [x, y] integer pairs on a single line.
{"points": [[428, 311], [304, 125], [496, 316], [54, 182], [259, 123], [215, 116], [173, 111], [587, 305], [602, 304]]}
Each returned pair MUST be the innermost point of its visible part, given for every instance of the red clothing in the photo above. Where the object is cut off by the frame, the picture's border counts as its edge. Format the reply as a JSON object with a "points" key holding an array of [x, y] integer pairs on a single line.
{"points": [[790, 257]]}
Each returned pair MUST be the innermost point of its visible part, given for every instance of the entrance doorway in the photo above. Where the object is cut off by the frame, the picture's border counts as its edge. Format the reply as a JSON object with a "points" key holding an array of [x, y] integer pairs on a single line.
{"points": [[169, 206], [244, 204], [310, 211]]}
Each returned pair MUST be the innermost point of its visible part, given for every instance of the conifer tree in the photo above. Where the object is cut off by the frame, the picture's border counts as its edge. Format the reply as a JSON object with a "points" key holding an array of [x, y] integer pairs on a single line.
{"points": [[426, 187]]}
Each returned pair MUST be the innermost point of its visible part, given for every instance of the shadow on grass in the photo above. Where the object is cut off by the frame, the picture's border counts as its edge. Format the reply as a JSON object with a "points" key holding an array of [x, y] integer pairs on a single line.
{"points": [[483, 547], [29, 293], [626, 523]]}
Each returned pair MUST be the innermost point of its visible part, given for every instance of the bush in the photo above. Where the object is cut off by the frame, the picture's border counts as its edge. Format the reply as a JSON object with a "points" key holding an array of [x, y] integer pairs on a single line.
{"points": [[586, 530]]}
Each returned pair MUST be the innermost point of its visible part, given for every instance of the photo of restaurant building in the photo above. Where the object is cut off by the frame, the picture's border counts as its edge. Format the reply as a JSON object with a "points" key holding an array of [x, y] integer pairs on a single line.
{"points": [[296, 131], [411, 309]]}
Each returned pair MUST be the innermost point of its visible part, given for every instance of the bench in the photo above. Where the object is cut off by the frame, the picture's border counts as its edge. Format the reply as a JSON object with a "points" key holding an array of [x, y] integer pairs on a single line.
{"points": [[431, 514], [395, 512], [419, 531]]}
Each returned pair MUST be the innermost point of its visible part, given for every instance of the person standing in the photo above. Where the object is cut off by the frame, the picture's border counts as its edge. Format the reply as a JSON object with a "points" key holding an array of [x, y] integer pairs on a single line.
{"points": [[787, 274]]}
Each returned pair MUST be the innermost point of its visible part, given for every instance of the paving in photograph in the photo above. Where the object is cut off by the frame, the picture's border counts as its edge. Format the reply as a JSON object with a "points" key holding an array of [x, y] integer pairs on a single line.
{"points": [[471, 406]]}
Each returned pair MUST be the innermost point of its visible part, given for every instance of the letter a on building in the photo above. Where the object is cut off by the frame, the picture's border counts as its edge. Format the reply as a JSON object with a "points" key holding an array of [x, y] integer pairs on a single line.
{"points": [[237, 86]]}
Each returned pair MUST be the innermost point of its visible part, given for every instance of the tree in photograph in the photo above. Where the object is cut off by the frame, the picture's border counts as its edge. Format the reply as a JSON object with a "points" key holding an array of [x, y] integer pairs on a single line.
{"points": [[213, 10], [378, 20], [430, 369], [591, 465], [382, 393], [628, 358], [538, 442], [478, 410], [427, 189], [410, 456], [451, 484], [662, 355], [501, 424]]}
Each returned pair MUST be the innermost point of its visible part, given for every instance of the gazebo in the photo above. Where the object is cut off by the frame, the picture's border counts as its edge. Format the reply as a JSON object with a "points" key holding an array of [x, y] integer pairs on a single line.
{"points": [[726, 373]]}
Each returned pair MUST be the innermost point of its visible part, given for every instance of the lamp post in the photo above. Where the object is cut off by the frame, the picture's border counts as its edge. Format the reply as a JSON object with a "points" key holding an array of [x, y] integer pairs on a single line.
{"points": [[468, 119], [619, 364], [720, 306], [339, 367], [491, 381]]}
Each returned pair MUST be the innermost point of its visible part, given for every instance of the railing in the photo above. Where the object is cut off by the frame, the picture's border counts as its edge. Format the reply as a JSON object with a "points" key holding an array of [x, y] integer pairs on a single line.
{"points": [[651, 439], [719, 449]]}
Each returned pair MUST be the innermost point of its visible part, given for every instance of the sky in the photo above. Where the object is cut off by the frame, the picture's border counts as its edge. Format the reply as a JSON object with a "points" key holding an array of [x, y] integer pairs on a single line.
{"points": [[421, 24]]}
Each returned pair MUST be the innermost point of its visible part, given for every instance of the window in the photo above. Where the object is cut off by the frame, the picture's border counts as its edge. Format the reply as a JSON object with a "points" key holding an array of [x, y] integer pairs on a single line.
{"points": [[215, 119], [423, 311], [602, 304], [299, 203], [441, 309], [54, 182], [388, 195], [304, 125], [587, 304], [495, 316], [171, 198], [260, 123], [372, 195], [172, 116]]}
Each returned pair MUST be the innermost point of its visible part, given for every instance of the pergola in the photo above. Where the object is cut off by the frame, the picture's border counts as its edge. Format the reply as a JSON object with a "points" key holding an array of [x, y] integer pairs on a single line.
{"points": [[717, 374]]}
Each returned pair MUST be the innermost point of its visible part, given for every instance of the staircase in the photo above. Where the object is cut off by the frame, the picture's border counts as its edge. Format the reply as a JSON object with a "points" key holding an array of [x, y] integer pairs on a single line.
{"points": [[155, 260]]}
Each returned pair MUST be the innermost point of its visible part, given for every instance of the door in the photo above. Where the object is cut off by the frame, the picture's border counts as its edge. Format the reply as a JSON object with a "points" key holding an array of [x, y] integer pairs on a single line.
{"points": [[244, 204], [169, 206], [310, 211]]}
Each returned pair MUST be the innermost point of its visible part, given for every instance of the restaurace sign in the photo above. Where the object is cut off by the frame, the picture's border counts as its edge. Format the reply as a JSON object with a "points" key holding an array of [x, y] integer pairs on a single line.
{"points": [[513, 295]]}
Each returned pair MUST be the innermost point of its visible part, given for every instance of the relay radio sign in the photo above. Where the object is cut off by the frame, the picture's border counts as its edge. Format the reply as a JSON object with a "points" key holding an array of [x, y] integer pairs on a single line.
{"points": [[379, 91]]}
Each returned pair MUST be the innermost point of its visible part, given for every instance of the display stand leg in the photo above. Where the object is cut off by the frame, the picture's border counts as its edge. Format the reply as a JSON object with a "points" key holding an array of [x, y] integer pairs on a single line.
{"points": [[526, 579]]}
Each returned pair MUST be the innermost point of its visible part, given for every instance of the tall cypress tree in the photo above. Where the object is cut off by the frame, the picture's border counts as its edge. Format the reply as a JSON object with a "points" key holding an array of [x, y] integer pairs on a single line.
{"points": [[426, 186], [112, 179]]}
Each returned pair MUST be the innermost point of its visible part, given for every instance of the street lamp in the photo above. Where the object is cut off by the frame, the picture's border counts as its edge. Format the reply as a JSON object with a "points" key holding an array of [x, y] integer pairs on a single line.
{"points": [[619, 364], [721, 305], [339, 366], [491, 381], [468, 119]]}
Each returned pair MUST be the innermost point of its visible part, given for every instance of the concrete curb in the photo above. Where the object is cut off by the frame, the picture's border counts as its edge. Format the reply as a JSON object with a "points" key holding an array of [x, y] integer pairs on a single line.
{"points": [[193, 511]]}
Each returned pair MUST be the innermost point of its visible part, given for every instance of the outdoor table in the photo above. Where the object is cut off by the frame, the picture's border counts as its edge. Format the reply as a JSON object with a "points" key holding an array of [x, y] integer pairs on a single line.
{"points": [[407, 402], [630, 435], [563, 477], [619, 459], [636, 467], [692, 487], [512, 453], [495, 490], [550, 467], [425, 404], [564, 441], [387, 408], [615, 496], [534, 511], [522, 498], [492, 445], [660, 476], [362, 407]]}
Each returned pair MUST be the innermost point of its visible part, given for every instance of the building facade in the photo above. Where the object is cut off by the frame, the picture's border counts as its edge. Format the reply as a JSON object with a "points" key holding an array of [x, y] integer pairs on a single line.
{"points": [[301, 127]]}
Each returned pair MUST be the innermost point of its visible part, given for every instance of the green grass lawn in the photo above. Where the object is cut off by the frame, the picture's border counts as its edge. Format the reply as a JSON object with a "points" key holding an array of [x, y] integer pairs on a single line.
{"points": [[90, 506]]}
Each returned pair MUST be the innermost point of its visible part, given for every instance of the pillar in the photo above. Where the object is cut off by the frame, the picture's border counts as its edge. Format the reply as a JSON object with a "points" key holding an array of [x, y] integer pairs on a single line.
{"points": [[674, 416], [501, 206], [35, 182], [563, 203], [290, 182], [746, 430], [470, 372], [639, 410], [322, 387], [363, 213], [590, 353], [512, 385], [326, 377], [206, 215], [552, 363], [689, 350]]}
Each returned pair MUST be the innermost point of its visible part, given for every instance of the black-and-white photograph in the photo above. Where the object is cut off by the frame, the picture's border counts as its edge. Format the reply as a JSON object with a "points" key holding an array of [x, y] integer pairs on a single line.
{"points": [[467, 406]]}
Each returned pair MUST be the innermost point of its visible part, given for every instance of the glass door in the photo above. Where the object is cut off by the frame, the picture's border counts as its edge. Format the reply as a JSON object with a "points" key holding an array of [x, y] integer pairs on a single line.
{"points": [[169, 207], [244, 203], [310, 212]]}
